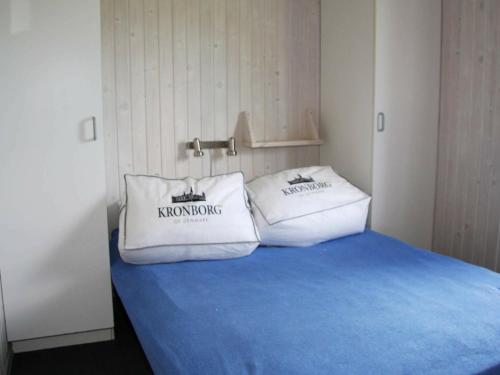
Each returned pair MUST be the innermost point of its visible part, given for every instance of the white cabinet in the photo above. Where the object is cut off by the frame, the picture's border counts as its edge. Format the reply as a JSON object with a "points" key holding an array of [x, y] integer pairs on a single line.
{"points": [[53, 236], [380, 105]]}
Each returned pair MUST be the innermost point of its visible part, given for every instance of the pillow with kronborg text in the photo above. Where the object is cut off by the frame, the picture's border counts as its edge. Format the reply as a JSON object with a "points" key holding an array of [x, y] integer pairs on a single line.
{"points": [[304, 206], [186, 219]]}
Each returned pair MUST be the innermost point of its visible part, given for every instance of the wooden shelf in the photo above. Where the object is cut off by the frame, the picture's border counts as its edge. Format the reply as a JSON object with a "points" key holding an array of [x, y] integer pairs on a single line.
{"points": [[296, 143], [248, 139]]}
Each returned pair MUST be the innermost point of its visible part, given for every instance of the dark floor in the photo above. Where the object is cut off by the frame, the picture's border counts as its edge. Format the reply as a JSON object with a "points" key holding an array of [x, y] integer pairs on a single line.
{"points": [[122, 356]]}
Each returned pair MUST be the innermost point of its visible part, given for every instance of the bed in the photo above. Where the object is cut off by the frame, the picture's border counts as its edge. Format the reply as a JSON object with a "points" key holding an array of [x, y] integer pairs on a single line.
{"points": [[363, 304]]}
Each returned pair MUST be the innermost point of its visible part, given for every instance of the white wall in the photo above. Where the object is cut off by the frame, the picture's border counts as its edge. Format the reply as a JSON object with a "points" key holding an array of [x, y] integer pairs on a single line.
{"points": [[347, 76]]}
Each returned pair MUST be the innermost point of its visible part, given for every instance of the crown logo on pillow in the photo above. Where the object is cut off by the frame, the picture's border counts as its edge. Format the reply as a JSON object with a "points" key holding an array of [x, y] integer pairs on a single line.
{"points": [[300, 180]]}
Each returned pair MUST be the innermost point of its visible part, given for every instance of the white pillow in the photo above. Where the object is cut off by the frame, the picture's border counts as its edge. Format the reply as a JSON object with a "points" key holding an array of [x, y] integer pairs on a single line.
{"points": [[305, 206], [168, 220]]}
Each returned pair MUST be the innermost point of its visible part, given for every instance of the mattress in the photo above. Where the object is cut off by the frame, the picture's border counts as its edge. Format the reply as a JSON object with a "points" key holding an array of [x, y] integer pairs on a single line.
{"points": [[363, 304]]}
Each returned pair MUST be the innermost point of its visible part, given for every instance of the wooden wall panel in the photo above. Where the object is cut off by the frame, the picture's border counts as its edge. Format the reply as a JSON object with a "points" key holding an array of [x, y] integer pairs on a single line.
{"points": [[178, 69], [467, 218]]}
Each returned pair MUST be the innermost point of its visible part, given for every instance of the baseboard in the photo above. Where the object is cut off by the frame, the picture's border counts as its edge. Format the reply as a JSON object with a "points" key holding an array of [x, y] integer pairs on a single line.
{"points": [[63, 340]]}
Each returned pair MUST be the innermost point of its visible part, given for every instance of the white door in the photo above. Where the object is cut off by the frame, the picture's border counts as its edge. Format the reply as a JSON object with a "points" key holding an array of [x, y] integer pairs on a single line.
{"points": [[407, 67], [53, 237]]}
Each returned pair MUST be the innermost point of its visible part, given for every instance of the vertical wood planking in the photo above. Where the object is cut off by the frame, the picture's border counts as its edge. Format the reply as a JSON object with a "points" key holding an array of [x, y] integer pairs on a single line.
{"points": [[207, 81], [233, 73], [151, 62], [258, 83], [137, 86], [496, 106], [465, 86], [301, 62], [180, 87], [284, 155], [309, 40], [220, 84], [467, 213], [122, 87], [167, 88], [109, 110], [312, 99], [245, 78], [449, 74], [270, 68], [492, 254], [477, 245], [193, 78], [178, 69], [474, 125], [295, 79]]}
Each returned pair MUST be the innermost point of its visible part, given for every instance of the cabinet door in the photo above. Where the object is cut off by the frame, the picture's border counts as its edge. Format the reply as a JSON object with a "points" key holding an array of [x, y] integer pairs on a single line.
{"points": [[53, 236], [407, 65]]}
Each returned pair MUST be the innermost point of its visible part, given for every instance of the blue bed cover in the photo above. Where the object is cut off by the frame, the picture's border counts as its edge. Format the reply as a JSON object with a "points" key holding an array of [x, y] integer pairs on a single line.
{"points": [[364, 304]]}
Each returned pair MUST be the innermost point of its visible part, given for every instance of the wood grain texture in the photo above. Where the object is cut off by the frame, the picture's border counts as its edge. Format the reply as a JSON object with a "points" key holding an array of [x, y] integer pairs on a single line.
{"points": [[178, 69], [109, 111], [467, 216]]}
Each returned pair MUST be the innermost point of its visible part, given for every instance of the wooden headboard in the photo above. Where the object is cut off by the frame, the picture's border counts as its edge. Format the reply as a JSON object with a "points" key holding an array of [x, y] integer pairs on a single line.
{"points": [[178, 69]]}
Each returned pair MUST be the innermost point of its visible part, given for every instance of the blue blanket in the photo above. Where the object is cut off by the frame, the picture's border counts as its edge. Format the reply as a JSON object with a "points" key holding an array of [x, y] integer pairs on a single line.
{"points": [[364, 304]]}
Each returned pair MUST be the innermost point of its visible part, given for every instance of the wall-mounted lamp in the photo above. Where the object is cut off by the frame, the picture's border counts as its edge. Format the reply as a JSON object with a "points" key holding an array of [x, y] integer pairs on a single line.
{"points": [[197, 145], [231, 149]]}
